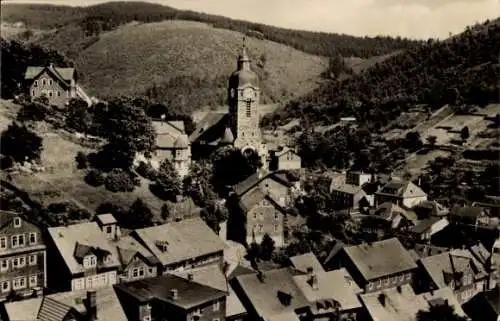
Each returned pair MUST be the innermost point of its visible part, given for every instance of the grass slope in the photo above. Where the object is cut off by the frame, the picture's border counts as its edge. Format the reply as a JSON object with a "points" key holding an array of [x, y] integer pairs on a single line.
{"points": [[133, 58], [62, 181]]}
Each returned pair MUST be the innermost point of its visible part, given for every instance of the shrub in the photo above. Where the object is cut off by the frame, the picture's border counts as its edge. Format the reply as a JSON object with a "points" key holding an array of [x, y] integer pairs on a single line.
{"points": [[81, 160], [146, 170], [119, 180], [79, 214], [21, 143], [32, 111], [95, 178], [6, 162]]}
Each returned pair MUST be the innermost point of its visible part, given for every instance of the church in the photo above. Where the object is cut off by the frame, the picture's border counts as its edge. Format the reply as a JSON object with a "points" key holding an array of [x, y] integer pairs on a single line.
{"points": [[240, 127]]}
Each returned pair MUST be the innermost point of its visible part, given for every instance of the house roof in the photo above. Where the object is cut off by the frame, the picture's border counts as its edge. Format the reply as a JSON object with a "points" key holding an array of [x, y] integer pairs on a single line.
{"points": [[444, 294], [105, 219], [344, 292], [190, 293], [435, 208], [210, 275], [401, 188], [68, 239], [424, 250], [439, 266], [304, 261], [423, 226], [484, 306], [286, 316], [240, 270], [204, 126], [480, 253], [380, 258], [282, 177], [55, 307], [64, 75], [167, 132], [391, 211], [348, 189], [466, 211], [128, 247], [186, 239], [233, 304], [339, 245], [253, 197], [267, 297]]}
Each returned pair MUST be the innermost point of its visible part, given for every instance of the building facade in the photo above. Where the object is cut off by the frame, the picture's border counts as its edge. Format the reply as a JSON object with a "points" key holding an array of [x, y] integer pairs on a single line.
{"points": [[22, 257]]}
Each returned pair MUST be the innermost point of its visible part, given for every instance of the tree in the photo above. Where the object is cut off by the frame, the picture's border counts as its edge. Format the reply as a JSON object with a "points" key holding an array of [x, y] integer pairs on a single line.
{"points": [[32, 111], [431, 140], [78, 117], [165, 212], [119, 180], [197, 184], [464, 133], [413, 141], [443, 312], [167, 183], [139, 215], [267, 247], [214, 214], [21, 144]]}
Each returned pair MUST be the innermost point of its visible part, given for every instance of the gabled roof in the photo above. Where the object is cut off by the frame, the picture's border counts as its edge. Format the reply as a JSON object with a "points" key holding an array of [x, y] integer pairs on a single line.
{"points": [[106, 219], [424, 225], [401, 188], [435, 208], [455, 261], [189, 238], [380, 259], [128, 248], [56, 306], [339, 245], [189, 293], [391, 211], [466, 211], [167, 132], [64, 75], [209, 275], [205, 125], [268, 297], [282, 177], [344, 291], [480, 253], [304, 261], [348, 189], [77, 239]]}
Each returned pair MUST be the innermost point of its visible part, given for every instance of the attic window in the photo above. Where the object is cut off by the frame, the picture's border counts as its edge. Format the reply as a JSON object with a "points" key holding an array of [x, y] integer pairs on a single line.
{"points": [[162, 245], [36, 83], [17, 222]]}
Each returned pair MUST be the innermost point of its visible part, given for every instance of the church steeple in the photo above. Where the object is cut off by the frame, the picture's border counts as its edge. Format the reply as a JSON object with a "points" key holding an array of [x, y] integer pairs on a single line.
{"points": [[243, 59]]}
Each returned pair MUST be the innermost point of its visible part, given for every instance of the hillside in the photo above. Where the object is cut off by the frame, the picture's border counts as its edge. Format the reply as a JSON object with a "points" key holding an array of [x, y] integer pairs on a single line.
{"points": [[461, 70], [108, 16]]}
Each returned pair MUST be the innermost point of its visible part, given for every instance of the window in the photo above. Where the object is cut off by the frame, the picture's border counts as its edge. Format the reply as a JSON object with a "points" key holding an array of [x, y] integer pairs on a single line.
{"points": [[21, 240], [33, 93], [276, 216], [32, 238], [15, 262], [104, 279], [58, 93], [89, 283], [150, 270], [50, 93], [19, 283], [4, 265], [401, 278], [93, 261], [141, 271], [275, 228], [17, 222], [108, 229], [387, 281], [370, 286], [249, 108], [79, 284], [408, 277], [35, 84], [5, 286], [14, 241], [32, 259], [22, 261], [135, 272], [216, 306], [33, 281], [50, 82], [255, 215], [3, 242], [44, 82]]}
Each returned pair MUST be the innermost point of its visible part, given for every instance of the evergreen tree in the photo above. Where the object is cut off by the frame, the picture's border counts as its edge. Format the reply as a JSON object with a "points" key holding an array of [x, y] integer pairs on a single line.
{"points": [[267, 247], [20, 143]]}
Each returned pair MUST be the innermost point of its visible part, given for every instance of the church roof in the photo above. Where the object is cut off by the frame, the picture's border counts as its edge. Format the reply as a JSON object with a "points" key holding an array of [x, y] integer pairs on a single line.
{"points": [[244, 75], [182, 141], [228, 137]]}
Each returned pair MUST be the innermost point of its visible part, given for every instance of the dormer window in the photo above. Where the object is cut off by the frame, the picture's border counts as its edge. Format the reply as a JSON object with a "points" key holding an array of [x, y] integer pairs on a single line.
{"points": [[90, 261], [162, 245], [17, 222]]}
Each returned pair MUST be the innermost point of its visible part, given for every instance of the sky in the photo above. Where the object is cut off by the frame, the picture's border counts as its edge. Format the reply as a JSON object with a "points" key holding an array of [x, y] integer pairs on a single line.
{"points": [[406, 18]]}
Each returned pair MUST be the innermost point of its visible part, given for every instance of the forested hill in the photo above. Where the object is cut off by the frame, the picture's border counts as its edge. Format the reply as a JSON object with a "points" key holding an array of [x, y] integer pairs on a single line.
{"points": [[461, 70], [108, 16]]}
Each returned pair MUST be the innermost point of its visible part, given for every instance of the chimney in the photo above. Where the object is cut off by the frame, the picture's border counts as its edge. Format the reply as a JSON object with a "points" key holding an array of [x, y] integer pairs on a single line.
{"points": [[313, 281], [190, 277], [381, 298], [310, 270], [92, 305], [174, 294], [51, 65], [419, 182], [399, 289]]}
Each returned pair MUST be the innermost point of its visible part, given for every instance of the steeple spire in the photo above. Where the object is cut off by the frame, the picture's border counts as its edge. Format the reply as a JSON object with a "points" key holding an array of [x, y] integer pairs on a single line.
{"points": [[243, 59]]}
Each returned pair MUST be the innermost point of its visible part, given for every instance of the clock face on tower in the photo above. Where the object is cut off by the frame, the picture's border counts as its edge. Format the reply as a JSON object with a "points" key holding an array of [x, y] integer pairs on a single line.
{"points": [[248, 93]]}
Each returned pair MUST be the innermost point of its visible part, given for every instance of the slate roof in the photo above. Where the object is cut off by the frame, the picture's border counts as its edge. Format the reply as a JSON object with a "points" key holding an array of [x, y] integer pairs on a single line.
{"points": [[380, 259], [190, 294], [401, 188], [186, 239], [128, 247], [304, 261], [167, 132], [204, 126], [334, 285], [423, 226], [480, 253], [67, 239], [265, 296], [210, 275], [348, 189], [391, 211], [425, 250], [282, 177], [105, 219], [466, 211], [440, 265], [55, 307], [434, 208]]}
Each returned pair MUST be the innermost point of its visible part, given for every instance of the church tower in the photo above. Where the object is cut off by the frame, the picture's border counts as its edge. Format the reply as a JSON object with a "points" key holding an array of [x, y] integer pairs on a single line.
{"points": [[243, 98]]}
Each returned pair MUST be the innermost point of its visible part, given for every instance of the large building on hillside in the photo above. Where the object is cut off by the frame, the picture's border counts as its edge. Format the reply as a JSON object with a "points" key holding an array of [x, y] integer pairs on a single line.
{"points": [[58, 85], [240, 127]]}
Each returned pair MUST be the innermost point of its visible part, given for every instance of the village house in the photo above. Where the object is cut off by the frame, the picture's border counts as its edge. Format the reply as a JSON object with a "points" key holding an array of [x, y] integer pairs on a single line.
{"points": [[58, 85], [484, 306], [306, 262], [182, 245], [428, 209], [401, 192], [179, 298], [172, 144], [358, 178], [81, 257], [102, 304], [426, 228], [378, 265], [284, 158], [23, 262], [457, 269], [235, 311], [400, 303], [469, 215], [258, 206], [348, 196], [397, 217]]}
